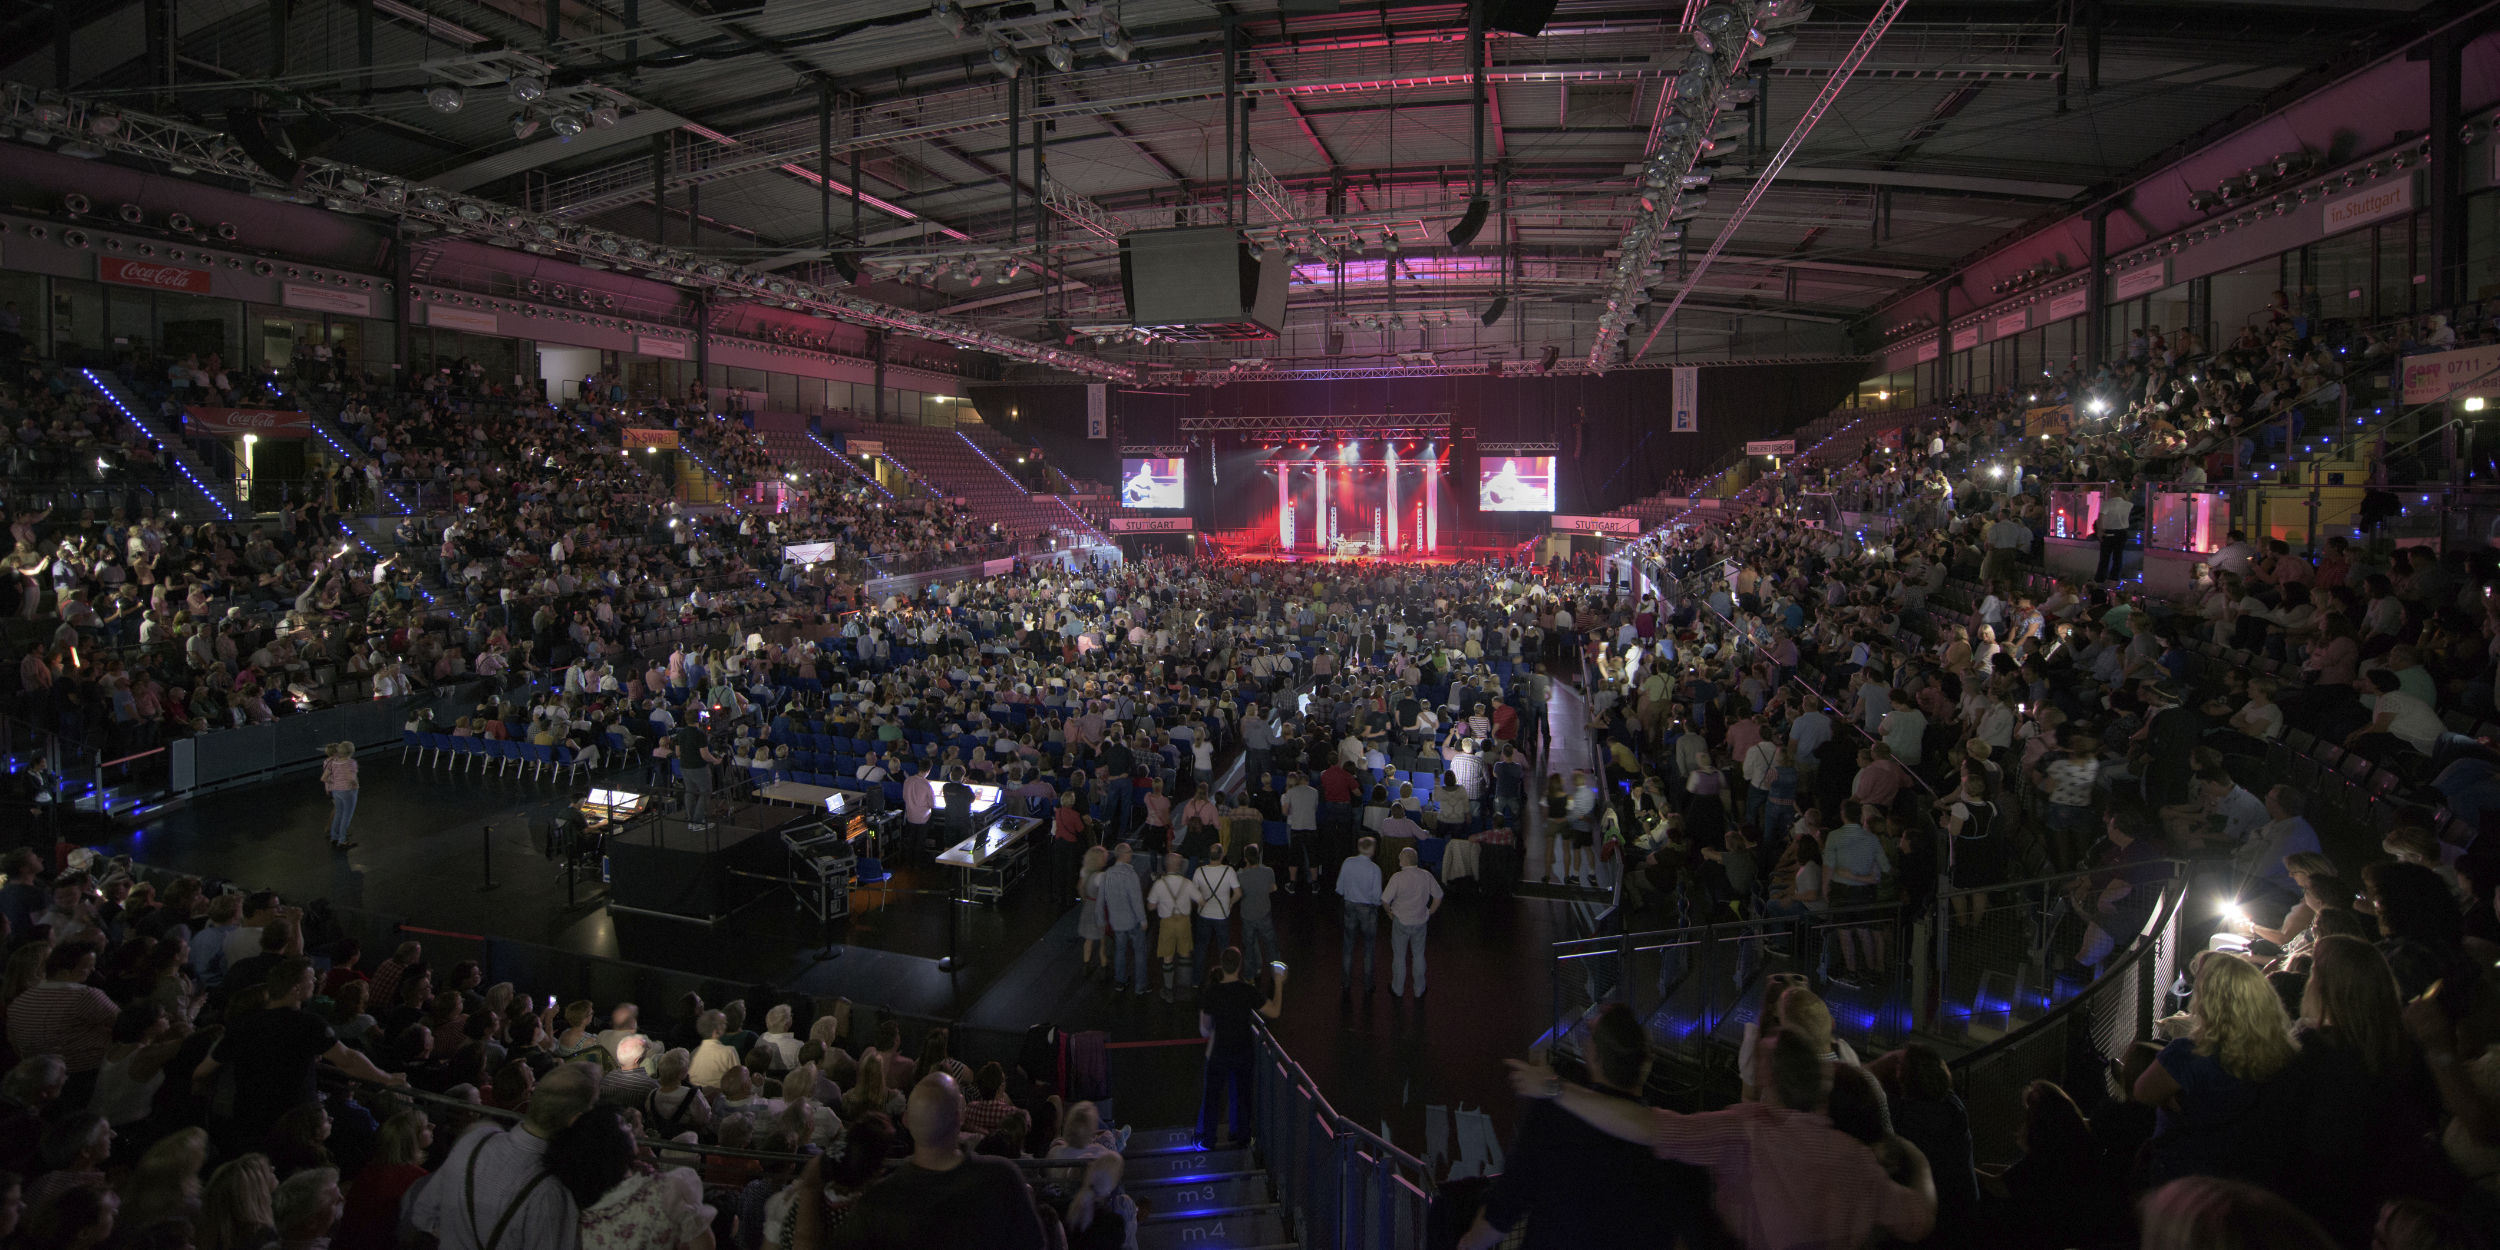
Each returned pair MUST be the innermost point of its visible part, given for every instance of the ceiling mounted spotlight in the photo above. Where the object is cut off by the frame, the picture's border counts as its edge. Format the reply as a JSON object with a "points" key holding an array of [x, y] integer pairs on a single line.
{"points": [[1773, 49], [75, 204], [1117, 45], [179, 223], [1007, 63], [527, 87], [524, 124], [51, 110], [471, 211], [603, 116], [567, 124], [445, 99], [949, 15], [1060, 55]]}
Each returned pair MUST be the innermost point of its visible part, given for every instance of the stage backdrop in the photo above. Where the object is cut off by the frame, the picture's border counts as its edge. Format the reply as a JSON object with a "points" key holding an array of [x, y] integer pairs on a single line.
{"points": [[1615, 442]]}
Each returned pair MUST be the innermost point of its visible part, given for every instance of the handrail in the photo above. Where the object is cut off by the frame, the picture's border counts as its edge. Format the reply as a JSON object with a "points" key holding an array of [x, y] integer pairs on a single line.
{"points": [[2174, 896]]}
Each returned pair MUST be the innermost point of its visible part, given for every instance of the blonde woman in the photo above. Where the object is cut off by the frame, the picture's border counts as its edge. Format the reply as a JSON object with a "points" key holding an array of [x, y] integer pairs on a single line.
{"points": [[870, 1093], [370, 1220], [338, 777], [2211, 1086], [1089, 919], [166, 1184], [234, 1211]]}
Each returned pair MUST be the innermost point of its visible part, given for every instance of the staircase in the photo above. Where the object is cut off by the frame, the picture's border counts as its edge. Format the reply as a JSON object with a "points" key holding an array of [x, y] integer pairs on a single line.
{"points": [[1192, 1199], [959, 466], [355, 456], [169, 444]]}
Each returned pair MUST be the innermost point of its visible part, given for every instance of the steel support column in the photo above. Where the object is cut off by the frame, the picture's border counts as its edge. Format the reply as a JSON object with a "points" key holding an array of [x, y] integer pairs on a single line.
{"points": [[2446, 208], [2096, 293]]}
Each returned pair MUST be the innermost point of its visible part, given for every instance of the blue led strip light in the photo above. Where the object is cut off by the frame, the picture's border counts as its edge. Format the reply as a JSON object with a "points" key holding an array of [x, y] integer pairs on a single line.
{"points": [[985, 458], [350, 459], [172, 456], [845, 462]]}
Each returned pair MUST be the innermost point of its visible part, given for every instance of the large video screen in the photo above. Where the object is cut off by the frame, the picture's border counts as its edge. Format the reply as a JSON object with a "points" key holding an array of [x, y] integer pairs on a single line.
{"points": [[1159, 482], [1516, 484]]}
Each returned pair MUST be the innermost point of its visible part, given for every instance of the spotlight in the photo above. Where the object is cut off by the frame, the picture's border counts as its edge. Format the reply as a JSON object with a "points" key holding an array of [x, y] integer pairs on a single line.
{"points": [[524, 124], [603, 116], [949, 15], [1007, 63], [1117, 45], [1060, 55], [445, 99], [528, 87], [567, 125]]}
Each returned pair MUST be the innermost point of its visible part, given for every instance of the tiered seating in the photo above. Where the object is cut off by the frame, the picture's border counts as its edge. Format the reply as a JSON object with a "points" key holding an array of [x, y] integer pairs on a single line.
{"points": [[954, 466]]}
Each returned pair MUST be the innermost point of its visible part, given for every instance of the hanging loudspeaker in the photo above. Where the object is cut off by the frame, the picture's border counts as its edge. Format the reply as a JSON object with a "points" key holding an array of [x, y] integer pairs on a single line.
{"points": [[1519, 17], [1493, 311]]}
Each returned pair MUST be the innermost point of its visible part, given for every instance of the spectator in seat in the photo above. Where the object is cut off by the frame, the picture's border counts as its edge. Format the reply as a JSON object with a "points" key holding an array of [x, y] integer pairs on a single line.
{"points": [[63, 1015], [2208, 1213], [625, 1206], [629, 1085], [306, 1208], [494, 1176], [713, 1058], [2223, 1112], [370, 1218], [74, 1150], [942, 1195]]}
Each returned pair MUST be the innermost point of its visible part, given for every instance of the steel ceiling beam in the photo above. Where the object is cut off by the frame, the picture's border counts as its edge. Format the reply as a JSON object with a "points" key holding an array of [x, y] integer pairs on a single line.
{"points": [[1823, 101]]}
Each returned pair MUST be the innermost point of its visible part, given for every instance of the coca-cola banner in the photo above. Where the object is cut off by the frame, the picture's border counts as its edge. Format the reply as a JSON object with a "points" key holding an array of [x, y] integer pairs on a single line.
{"points": [[152, 275], [232, 422]]}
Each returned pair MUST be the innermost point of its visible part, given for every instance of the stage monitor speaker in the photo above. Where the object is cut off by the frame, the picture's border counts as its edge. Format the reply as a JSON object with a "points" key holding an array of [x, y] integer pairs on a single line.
{"points": [[1519, 17], [1177, 279]]}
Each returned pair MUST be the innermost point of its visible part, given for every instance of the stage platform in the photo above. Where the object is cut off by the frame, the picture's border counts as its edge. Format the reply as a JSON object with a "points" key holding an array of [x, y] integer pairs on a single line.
{"points": [[659, 867]]}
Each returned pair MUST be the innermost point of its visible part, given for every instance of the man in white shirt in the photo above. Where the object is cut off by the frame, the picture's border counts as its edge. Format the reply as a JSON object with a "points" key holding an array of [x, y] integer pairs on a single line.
{"points": [[2116, 520], [1359, 888], [1301, 803], [1411, 898], [1173, 900], [2396, 719], [1219, 891]]}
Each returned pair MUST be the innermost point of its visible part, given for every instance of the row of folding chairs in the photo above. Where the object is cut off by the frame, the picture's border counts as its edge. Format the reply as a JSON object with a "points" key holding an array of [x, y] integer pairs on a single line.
{"points": [[473, 754]]}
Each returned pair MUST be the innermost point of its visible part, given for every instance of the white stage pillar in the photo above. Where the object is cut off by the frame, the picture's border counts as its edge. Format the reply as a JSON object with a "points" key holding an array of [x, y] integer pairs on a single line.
{"points": [[1432, 507], [1389, 514], [1319, 472], [1284, 504]]}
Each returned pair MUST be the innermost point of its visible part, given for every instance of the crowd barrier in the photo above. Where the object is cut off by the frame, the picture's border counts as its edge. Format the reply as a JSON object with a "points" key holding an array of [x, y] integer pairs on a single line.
{"points": [[226, 757], [1350, 1188]]}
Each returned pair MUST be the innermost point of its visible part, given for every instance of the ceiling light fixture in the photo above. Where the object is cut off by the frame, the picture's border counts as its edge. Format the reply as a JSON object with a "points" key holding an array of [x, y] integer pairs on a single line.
{"points": [[527, 87], [445, 99], [524, 124]]}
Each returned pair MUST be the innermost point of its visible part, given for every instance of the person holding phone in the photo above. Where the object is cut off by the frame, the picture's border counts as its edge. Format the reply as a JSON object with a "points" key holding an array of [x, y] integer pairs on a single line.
{"points": [[1225, 1011]]}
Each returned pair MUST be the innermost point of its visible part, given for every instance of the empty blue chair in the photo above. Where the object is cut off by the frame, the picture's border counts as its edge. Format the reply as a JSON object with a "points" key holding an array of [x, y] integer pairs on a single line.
{"points": [[869, 870]]}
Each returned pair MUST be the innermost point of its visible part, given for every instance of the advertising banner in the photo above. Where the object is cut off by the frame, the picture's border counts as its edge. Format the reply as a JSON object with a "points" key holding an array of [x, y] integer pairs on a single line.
{"points": [[1771, 447], [1965, 338], [807, 553], [1098, 410], [864, 446], [2012, 323], [636, 436], [475, 321], [154, 276], [666, 349], [1927, 351], [2448, 375], [1152, 525], [2369, 204], [999, 567], [325, 299], [2050, 419], [1687, 401], [1598, 524], [234, 422], [2071, 304], [2144, 281]]}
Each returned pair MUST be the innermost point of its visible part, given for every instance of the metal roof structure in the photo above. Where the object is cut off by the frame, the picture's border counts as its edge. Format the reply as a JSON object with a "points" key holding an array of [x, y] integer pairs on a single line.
{"points": [[737, 133]]}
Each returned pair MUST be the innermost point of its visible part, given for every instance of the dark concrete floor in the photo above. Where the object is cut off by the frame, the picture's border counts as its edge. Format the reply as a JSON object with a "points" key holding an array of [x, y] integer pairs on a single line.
{"points": [[424, 832]]}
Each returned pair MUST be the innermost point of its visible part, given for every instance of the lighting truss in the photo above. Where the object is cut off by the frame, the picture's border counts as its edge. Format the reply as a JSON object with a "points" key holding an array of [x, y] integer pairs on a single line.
{"points": [[1823, 100], [1723, 35], [1165, 375], [1336, 425], [1519, 449], [1081, 212], [348, 188]]}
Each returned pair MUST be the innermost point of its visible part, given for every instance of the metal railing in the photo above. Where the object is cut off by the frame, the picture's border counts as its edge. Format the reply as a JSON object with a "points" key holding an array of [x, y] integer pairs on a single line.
{"points": [[1348, 1187]]}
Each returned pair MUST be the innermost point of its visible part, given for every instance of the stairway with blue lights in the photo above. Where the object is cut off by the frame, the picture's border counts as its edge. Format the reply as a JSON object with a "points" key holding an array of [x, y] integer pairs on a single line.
{"points": [[1192, 1199], [169, 444], [845, 461], [355, 457]]}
